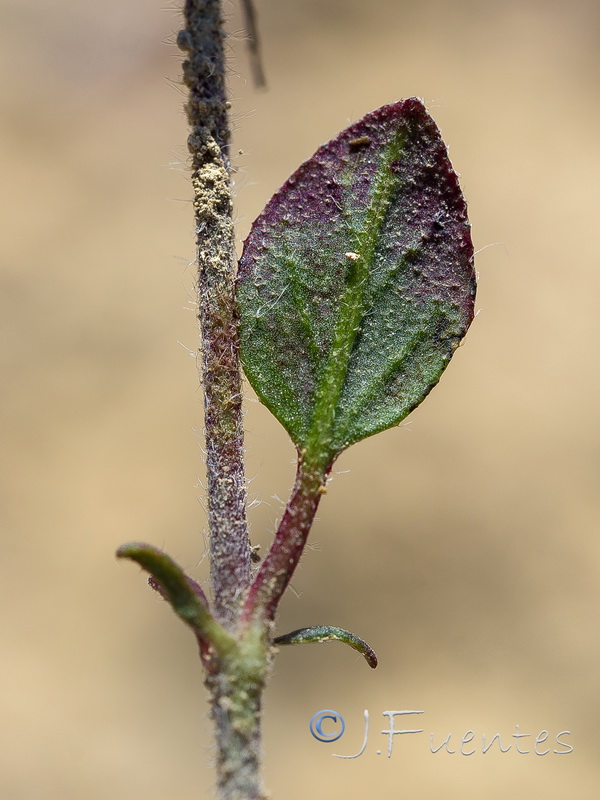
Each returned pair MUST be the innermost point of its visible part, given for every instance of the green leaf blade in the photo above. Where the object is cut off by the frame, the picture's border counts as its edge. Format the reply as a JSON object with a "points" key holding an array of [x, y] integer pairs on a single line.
{"points": [[326, 633], [357, 283]]}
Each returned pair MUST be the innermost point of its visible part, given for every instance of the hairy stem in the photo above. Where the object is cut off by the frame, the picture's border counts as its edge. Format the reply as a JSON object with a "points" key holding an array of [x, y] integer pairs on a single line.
{"points": [[235, 672], [236, 686], [204, 74], [284, 554]]}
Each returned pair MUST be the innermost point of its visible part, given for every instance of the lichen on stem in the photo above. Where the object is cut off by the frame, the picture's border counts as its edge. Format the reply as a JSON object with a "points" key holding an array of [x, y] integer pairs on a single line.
{"points": [[207, 111], [236, 675]]}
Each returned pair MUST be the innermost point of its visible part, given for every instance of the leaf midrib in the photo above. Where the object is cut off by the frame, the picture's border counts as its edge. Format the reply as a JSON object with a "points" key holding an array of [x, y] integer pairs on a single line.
{"points": [[319, 447]]}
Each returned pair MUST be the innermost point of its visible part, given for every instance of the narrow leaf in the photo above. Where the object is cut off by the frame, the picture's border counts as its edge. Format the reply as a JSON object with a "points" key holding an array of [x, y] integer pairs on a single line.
{"points": [[326, 633], [356, 283], [183, 594]]}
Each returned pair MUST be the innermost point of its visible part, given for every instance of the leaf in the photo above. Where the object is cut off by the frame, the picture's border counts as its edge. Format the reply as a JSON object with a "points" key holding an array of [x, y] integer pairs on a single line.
{"points": [[185, 597], [326, 633], [356, 283]]}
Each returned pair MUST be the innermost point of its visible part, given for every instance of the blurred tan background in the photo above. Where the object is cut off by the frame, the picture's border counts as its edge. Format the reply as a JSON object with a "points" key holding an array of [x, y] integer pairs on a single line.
{"points": [[464, 546]]}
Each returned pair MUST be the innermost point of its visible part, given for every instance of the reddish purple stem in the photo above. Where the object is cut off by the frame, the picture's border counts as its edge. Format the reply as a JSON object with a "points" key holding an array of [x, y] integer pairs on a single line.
{"points": [[284, 554]]}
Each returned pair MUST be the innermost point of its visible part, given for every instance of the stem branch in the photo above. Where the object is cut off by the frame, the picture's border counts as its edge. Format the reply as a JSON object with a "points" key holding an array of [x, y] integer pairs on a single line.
{"points": [[284, 554]]}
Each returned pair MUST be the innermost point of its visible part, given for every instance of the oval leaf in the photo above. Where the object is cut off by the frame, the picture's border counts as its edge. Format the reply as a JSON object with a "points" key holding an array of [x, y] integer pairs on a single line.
{"points": [[356, 283]]}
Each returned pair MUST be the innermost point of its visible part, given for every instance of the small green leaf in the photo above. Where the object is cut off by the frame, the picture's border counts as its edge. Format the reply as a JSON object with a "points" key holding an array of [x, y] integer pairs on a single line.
{"points": [[326, 633], [184, 595], [356, 283]]}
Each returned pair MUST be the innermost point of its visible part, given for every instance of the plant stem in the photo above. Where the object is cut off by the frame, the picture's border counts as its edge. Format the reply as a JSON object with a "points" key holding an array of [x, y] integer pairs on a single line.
{"points": [[208, 143], [284, 554], [253, 43], [236, 685], [235, 673]]}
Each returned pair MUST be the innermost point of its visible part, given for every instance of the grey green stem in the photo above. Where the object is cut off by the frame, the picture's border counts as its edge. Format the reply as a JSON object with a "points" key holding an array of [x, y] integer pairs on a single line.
{"points": [[207, 111], [236, 676]]}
